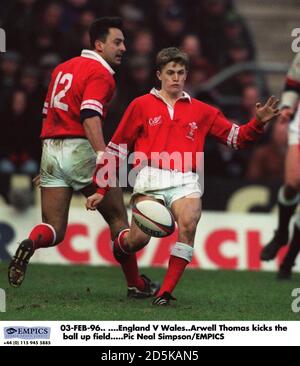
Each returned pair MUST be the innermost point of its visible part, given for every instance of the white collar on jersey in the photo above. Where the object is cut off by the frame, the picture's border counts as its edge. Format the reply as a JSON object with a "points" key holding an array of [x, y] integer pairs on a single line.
{"points": [[95, 56], [155, 92]]}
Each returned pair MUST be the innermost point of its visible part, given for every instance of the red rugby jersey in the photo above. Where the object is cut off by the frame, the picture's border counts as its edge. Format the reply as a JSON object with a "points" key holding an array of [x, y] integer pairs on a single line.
{"points": [[150, 125], [84, 82]]}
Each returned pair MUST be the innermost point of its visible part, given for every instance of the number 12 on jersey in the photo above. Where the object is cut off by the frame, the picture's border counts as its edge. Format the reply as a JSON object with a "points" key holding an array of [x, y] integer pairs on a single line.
{"points": [[56, 99]]}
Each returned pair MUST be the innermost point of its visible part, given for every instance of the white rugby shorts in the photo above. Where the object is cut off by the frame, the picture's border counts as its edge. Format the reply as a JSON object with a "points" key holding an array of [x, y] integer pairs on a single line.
{"points": [[167, 185], [68, 162]]}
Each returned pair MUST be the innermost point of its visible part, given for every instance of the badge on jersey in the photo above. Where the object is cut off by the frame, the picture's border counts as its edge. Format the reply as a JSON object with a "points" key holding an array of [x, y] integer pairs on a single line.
{"points": [[193, 128], [155, 121]]}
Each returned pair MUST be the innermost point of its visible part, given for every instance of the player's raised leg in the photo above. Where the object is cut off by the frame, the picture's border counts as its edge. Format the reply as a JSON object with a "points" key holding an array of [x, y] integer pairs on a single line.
{"points": [[55, 210], [187, 212]]}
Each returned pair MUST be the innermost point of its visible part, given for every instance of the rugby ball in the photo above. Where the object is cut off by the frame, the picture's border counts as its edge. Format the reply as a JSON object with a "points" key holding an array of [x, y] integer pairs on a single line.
{"points": [[153, 218]]}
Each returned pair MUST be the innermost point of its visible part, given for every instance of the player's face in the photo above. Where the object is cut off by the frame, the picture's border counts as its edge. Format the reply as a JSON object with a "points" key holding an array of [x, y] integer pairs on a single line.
{"points": [[172, 77], [114, 47]]}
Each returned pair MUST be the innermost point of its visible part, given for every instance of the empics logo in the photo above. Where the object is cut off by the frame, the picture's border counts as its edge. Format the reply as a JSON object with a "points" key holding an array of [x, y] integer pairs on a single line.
{"points": [[2, 40], [2, 301], [27, 333]]}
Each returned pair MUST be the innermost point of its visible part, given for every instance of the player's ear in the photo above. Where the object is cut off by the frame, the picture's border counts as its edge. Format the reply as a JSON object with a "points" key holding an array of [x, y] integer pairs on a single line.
{"points": [[99, 45], [158, 75]]}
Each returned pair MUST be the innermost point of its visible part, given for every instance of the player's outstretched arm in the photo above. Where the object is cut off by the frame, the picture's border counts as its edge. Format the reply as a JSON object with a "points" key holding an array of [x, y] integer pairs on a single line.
{"points": [[268, 111]]}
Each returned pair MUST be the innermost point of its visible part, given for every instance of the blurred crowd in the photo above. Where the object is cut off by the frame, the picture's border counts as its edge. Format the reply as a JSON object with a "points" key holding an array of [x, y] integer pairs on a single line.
{"points": [[42, 33]]}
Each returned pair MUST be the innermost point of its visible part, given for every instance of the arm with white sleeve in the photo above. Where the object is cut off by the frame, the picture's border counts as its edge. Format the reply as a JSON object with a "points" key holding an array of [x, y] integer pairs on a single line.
{"points": [[239, 137]]}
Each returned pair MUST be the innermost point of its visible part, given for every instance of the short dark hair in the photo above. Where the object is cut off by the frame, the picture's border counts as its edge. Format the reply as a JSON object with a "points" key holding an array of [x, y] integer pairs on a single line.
{"points": [[99, 29], [170, 54]]}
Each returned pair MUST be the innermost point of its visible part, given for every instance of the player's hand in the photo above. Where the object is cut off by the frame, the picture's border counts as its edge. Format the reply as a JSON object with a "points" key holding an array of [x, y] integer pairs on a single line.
{"points": [[267, 112], [37, 181], [285, 116], [93, 201]]}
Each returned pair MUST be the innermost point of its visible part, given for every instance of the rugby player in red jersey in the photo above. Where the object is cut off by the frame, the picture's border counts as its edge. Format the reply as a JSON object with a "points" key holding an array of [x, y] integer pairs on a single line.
{"points": [[74, 110], [170, 121]]}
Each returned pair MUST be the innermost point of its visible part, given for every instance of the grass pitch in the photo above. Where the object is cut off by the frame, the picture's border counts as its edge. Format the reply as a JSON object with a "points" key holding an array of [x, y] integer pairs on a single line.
{"points": [[54, 292]]}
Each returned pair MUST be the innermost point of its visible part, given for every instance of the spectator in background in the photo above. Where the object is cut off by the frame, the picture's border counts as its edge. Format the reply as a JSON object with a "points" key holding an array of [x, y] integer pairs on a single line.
{"points": [[160, 7], [237, 51], [196, 77], [235, 28], [246, 109], [19, 18], [267, 161], [230, 163], [29, 81], [209, 24], [133, 19], [47, 35], [9, 69], [47, 64], [223, 162], [234, 86], [191, 45], [172, 26], [142, 48], [19, 146], [74, 40], [140, 79], [200, 69], [72, 11], [143, 44], [30, 84]]}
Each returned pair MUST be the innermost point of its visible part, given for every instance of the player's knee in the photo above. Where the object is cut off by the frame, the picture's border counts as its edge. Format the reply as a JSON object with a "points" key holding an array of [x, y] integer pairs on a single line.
{"points": [[115, 218], [187, 229], [137, 242], [188, 224]]}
